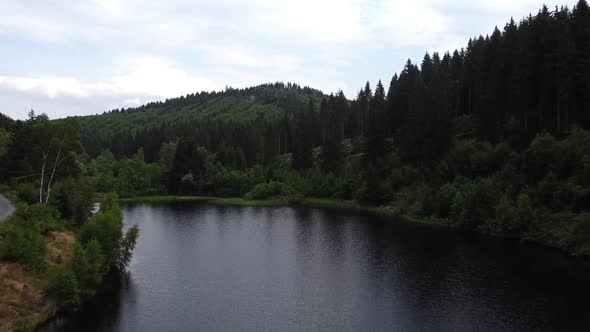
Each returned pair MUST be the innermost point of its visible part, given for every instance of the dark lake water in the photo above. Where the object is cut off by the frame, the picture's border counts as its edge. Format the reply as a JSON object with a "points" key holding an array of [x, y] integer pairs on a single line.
{"points": [[201, 267]]}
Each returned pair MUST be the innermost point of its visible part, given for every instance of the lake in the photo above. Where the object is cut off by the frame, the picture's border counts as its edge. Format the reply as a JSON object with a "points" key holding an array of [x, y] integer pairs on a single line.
{"points": [[226, 268]]}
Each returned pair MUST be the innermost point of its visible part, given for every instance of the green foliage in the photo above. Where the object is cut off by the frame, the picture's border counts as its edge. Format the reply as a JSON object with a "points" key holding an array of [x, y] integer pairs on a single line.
{"points": [[474, 203], [485, 145], [74, 198], [102, 236], [27, 192], [89, 267], [110, 202], [106, 166], [270, 189], [303, 146], [506, 218], [470, 158], [40, 217], [581, 234], [167, 152], [63, 288], [5, 141], [106, 227], [23, 244], [233, 183], [127, 246], [374, 190]]}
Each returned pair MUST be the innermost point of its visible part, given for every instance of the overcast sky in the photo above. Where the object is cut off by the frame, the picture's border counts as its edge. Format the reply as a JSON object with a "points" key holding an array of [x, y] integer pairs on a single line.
{"points": [[65, 57]]}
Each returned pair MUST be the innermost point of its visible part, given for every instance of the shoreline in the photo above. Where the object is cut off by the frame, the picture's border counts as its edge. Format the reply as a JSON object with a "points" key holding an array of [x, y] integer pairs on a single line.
{"points": [[314, 202], [330, 204]]}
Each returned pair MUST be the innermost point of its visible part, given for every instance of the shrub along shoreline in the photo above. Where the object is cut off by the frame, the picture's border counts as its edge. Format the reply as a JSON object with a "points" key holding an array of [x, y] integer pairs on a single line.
{"points": [[386, 212], [49, 263]]}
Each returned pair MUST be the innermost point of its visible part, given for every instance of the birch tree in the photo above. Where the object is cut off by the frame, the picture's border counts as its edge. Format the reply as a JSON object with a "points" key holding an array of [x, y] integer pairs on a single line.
{"points": [[55, 142]]}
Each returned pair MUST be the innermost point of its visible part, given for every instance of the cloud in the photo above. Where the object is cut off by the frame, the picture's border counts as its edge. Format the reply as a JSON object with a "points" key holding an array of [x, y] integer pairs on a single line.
{"points": [[141, 75], [89, 54], [14, 20], [250, 58], [424, 26], [112, 7], [132, 101], [329, 20], [49, 86]]}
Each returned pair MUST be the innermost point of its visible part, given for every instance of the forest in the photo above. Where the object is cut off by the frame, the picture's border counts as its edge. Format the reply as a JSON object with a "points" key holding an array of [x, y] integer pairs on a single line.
{"points": [[491, 138], [57, 250]]}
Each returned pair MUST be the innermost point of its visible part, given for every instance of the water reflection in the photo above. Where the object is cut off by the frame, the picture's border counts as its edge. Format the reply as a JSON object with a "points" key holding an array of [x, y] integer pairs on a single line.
{"points": [[204, 267]]}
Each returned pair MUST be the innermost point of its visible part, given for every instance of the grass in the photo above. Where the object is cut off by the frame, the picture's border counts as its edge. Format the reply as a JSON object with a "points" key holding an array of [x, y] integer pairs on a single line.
{"points": [[245, 202], [167, 199], [317, 202], [205, 199], [346, 205], [23, 305], [60, 244]]}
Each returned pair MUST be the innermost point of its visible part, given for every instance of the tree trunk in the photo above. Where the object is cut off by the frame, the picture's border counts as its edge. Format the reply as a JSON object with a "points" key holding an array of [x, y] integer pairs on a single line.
{"points": [[42, 179], [52, 175]]}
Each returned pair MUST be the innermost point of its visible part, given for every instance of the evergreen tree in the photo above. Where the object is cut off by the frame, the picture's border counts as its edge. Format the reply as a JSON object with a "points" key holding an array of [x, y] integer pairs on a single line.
{"points": [[303, 144]]}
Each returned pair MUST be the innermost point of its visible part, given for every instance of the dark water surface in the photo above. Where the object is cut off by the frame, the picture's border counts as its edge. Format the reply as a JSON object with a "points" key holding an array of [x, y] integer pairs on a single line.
{"points": [[202, 267]]}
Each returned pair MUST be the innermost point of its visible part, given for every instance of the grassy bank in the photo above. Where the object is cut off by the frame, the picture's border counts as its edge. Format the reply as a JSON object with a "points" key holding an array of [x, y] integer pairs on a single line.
{"points": [[167, 199], [324, 203], [23, 304], [205, 199]]}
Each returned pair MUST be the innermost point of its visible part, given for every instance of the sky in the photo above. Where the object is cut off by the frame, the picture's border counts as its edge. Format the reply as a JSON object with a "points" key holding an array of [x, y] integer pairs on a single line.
{"points": [[64, 57]]}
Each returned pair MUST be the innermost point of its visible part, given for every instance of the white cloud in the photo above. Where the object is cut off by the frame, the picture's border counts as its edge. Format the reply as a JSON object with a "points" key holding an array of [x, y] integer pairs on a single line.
{"points": [[132, 101], [244, 57], [49, 86], [112, 7], [142, 75], [424, 26], [14, 20], [129, 51], [155, 76], [328, 20]]}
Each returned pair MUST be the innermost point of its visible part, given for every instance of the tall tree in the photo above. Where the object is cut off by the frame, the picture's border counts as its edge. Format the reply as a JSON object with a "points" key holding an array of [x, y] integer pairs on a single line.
{"points": [[377, 125], [303, 142]]}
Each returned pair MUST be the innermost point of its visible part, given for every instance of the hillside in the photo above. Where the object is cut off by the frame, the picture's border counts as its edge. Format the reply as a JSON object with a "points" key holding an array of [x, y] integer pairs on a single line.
{"points": [[210, 118]]}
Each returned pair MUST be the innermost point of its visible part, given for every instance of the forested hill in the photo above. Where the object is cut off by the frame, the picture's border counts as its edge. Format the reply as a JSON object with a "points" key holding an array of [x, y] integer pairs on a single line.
{"points": [[6, 122], [532, 76], [244, 118]]}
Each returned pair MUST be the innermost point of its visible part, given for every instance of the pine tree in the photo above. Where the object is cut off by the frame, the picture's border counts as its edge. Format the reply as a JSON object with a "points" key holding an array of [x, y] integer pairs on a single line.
{"points": [[376, 146], [303, 143]]}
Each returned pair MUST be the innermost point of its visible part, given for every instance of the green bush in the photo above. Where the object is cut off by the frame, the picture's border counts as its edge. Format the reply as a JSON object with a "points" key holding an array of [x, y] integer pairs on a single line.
{"points": [[22, 244], [63, 288], [505, 221], [88, 266], [28, 192], [74, 198], [269, 190], [105, 227], [43, 218], [127, 246], [474, 203], [233, 183], [581, 234]]}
